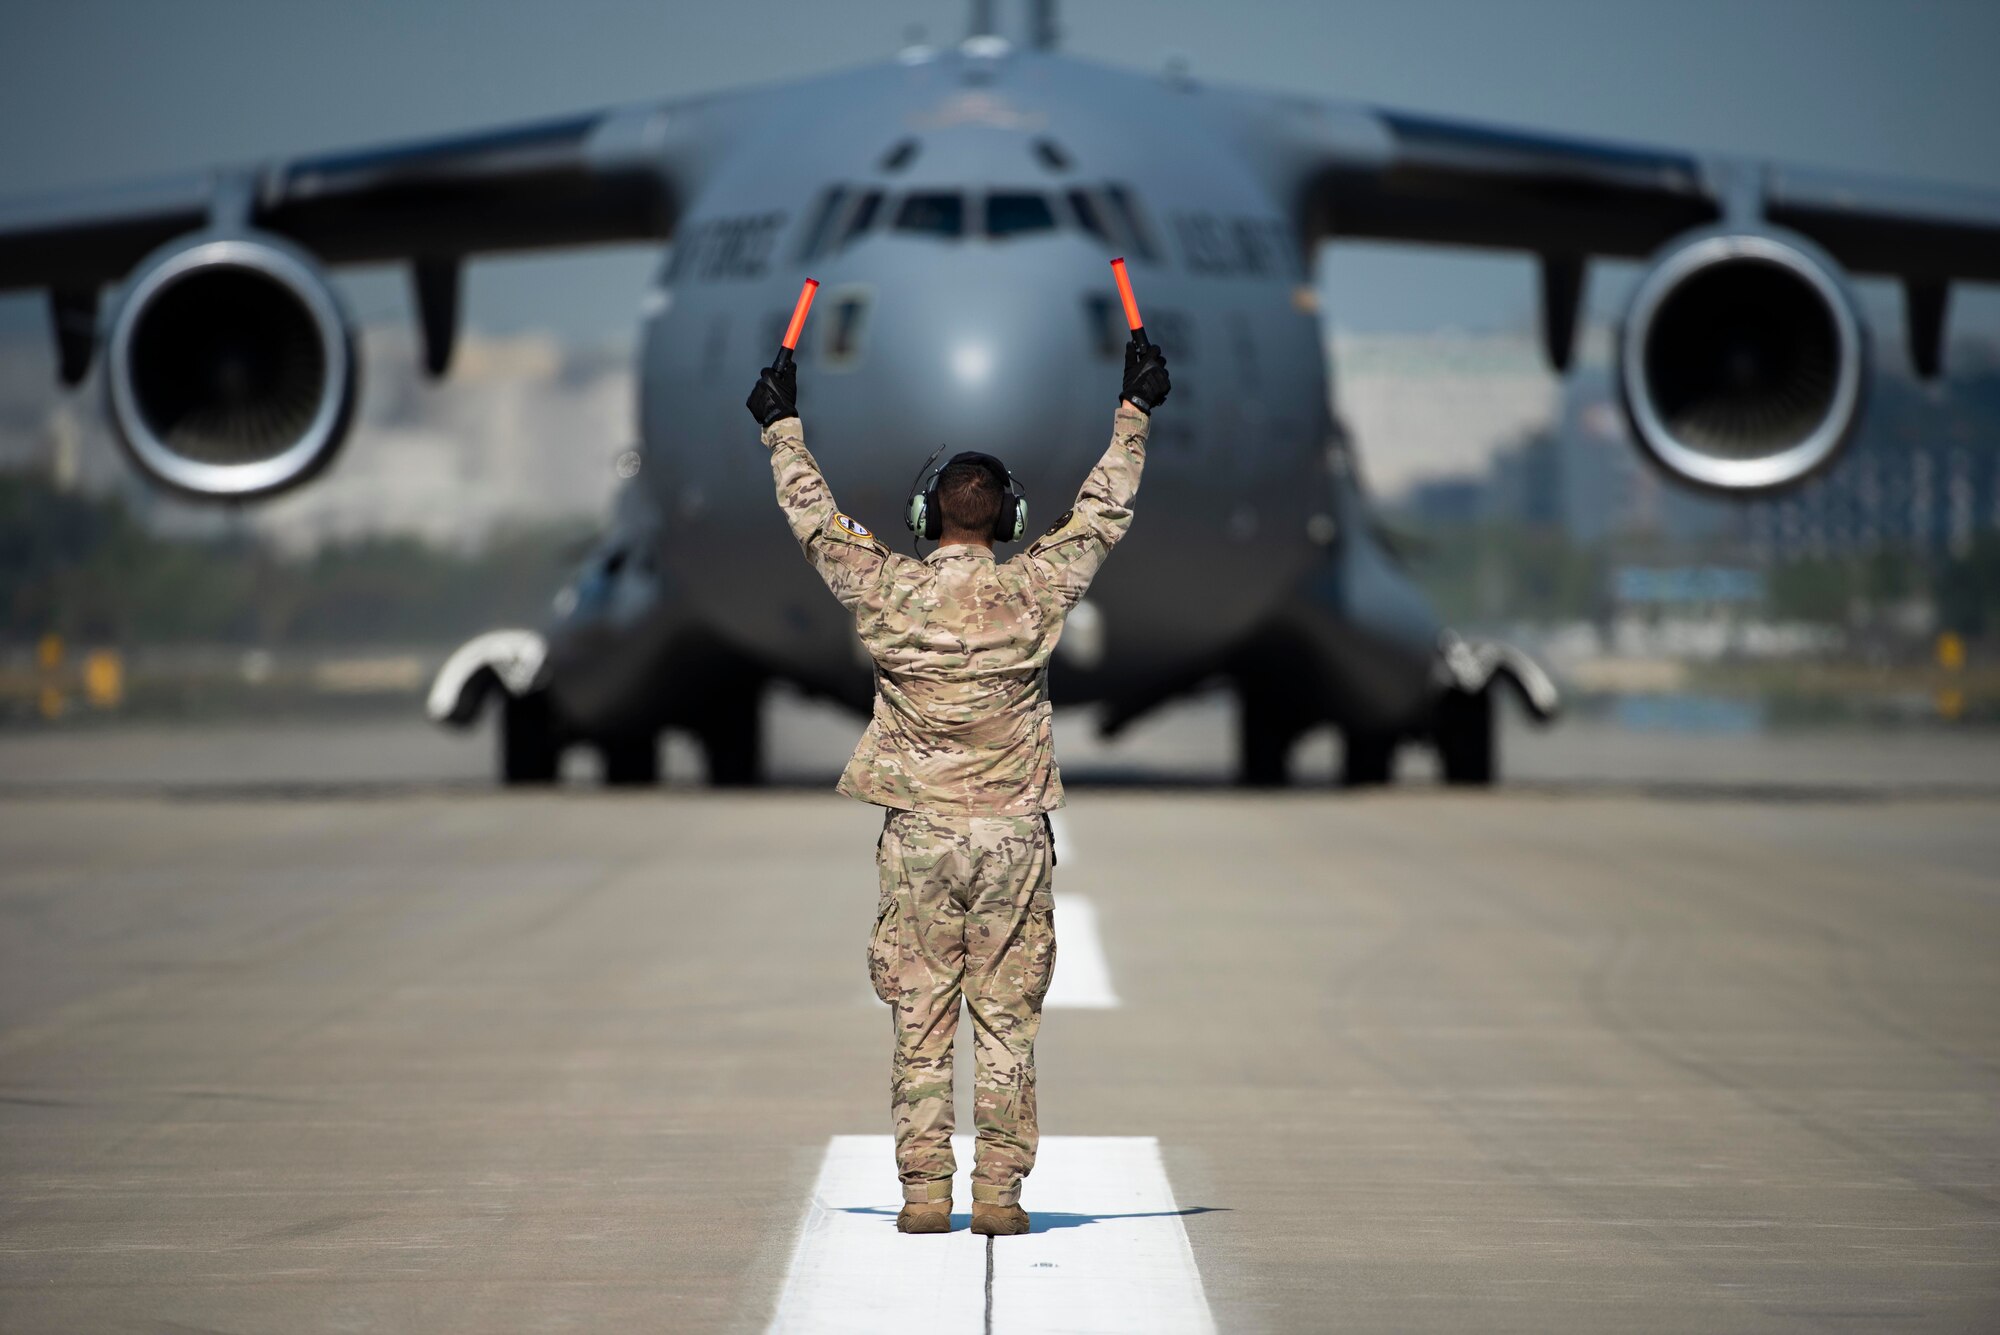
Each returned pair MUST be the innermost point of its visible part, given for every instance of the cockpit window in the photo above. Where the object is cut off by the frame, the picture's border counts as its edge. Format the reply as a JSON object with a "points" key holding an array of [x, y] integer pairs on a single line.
{"points": [[1010, 213], [862, 218], [822, 222], [1109, 214], [1102, 319], [1088, 215], [932, 213], [1126, 209], [900, 156]]}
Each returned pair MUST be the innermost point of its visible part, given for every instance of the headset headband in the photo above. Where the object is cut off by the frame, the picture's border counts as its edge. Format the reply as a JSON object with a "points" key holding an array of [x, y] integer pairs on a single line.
{"points": [[986, 461]]}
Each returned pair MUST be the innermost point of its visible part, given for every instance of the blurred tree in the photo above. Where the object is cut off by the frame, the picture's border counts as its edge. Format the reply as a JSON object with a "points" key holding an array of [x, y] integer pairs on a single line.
{"points": [[84, 568], [1817, 591], [1968, 591]]}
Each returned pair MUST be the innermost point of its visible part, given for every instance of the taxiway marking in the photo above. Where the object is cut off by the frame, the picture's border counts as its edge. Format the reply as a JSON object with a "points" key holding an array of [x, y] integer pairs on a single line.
{"points": [[1065, 850], [1083, 978], [1108, 1252]]}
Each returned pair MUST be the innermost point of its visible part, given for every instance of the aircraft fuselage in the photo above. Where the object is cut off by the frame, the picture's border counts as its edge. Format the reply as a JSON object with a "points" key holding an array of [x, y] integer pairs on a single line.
{"points": [[960, 231]]}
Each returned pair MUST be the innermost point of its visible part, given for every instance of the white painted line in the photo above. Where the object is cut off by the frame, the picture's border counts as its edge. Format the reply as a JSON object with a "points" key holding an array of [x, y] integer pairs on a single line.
{"points": [[1059, 832], [852, 1271], [1108, 1253], [1083, 978]]}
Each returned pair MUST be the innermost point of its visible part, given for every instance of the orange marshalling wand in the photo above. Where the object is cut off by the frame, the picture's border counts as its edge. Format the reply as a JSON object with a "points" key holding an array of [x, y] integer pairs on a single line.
{"points": [[1131, 302], [798, 324]]}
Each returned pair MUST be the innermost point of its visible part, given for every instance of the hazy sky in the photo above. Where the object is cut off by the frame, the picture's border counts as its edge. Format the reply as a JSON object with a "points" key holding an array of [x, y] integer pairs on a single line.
{"points": [[101, 90]]}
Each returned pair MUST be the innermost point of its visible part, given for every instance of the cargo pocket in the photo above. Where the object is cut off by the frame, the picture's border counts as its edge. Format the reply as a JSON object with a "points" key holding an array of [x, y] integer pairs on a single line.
{"points": [[883, 951], [1040, 942]]}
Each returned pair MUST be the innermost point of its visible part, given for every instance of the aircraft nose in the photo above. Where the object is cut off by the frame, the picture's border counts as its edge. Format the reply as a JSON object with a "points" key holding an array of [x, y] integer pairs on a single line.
{"points": [[991, 358]]}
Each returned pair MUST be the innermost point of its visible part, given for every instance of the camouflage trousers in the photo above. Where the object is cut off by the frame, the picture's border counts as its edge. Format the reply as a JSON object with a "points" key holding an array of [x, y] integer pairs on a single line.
{"points": [[966, 912]]}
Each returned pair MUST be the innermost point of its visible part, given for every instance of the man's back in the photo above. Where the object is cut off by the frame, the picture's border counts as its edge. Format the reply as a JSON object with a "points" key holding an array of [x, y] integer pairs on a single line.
{"points": [[961, 722], [961, 643]]}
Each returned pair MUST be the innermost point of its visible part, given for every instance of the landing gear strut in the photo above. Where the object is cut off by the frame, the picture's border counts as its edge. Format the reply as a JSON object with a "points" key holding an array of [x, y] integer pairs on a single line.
{"points": [[1464, 732], [1266, 733], [1367, 758], [1269, 726]]}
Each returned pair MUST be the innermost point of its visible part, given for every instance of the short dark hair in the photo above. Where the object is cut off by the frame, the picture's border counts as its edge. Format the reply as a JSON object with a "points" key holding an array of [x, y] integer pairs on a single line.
{"points": [[969, 497]]}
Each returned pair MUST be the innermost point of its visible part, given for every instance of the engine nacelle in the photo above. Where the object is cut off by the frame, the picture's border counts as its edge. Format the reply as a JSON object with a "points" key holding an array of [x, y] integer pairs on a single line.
{"points": [[1743, 360], [230, 367]]}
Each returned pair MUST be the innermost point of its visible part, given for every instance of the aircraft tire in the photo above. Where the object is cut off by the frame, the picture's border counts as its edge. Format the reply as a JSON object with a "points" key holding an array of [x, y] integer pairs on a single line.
{"points": [[731, 736], [529, 752], [631, 761], [1264, 740], [1367, 758], [1465, 741]]}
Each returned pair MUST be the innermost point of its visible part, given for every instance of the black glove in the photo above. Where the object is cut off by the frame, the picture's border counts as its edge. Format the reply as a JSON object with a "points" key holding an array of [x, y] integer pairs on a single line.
{"points": [[777, 394], [1146, 383]]}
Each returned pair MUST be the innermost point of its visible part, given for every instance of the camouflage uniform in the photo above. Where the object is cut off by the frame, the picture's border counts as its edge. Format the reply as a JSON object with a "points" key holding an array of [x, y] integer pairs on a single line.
{"points": [[959, 748]]}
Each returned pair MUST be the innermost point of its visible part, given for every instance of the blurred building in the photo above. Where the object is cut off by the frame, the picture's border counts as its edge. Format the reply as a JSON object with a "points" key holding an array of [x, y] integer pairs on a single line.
{"points": [[1922, 475], [1585, 477], [524, 429], [1432, 407]]}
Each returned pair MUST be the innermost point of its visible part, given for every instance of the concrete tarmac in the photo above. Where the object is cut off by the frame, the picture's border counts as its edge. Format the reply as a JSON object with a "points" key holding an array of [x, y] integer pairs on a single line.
{"points": [[383, 1053]]}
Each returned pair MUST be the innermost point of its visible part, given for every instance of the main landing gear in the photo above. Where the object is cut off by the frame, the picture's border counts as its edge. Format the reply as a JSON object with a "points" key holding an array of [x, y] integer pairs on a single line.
{"points": [[1462, 730], [729, 732]]}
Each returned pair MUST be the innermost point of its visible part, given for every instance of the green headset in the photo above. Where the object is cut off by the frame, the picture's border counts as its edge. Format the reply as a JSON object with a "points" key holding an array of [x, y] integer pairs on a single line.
{"points": [[925, 516]]}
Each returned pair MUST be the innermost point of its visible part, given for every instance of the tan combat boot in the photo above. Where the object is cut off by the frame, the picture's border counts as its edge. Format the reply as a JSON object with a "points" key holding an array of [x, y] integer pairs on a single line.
{"points": [[998, 1221], [925, 1216]]}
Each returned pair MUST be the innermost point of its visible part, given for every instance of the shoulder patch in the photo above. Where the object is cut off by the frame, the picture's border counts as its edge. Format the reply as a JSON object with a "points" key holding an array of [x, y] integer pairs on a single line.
{"points": [[1062, 522], [854, 526]]}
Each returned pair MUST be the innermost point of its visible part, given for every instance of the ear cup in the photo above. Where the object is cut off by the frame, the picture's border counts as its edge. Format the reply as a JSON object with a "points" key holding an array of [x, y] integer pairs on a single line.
{"points": [[913, 514], [1014, 520]]}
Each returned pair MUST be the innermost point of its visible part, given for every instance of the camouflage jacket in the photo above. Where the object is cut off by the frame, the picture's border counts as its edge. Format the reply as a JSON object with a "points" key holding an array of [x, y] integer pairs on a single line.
{"points": [[961, 643]]}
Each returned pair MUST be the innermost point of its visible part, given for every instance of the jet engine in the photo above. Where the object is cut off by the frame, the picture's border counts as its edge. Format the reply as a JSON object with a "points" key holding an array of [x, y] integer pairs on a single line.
{"points": [[230, 367], [1743, 360]]}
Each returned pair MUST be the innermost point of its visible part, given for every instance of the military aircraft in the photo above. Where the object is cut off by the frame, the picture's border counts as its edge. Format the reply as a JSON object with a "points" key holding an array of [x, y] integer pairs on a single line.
{"points": [[959, 205]]}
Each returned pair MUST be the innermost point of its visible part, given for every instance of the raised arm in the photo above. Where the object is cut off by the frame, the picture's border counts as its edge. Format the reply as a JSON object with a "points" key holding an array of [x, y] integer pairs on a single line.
{"points": [[1068, 556], [852, 561]]}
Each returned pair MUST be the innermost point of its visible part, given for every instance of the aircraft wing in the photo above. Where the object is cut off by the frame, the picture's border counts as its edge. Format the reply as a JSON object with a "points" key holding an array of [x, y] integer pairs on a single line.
{"points": [[597, 177], [1389, 175], [1742, 359], [230, 370]]}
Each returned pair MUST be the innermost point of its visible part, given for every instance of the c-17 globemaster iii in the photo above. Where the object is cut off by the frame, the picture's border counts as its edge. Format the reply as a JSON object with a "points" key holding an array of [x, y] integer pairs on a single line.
{"points": [[959, 205]]}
